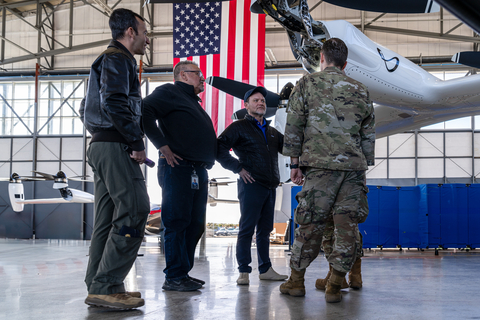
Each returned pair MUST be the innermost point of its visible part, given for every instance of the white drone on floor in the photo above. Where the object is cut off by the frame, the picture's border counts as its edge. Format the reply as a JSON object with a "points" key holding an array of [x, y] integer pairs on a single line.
{"points": [[68, 195]]}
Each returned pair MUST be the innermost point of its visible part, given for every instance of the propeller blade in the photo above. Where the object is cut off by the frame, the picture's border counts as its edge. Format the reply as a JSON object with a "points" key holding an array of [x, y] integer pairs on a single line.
{"points": [[45, 175], [81, 178], [468, 58], [238, 89], [404, 6], [16, 176], [467, 11]]}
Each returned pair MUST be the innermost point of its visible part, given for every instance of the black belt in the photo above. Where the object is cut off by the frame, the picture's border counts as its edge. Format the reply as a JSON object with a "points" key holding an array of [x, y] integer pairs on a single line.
{"points": [[194, 163], [191, 163]]}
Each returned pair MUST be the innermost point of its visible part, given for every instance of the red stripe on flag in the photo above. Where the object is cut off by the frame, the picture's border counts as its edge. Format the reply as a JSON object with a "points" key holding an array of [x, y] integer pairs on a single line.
{"points": [[246, 42], [175, 61], [232, 23], [215, 72]]}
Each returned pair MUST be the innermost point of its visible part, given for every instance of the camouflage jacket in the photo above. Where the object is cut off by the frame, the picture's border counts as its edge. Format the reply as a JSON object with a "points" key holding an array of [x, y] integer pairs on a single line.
{"points": [[330, 122]]}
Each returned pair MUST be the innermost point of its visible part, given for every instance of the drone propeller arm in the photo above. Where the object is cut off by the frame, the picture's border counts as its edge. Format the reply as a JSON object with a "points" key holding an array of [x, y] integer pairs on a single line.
{"points": [[42, 201], [79, 196]]}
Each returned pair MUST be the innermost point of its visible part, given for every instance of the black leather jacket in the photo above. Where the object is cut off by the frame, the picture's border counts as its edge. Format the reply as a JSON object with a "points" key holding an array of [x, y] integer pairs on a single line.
{"points": [[254, 154], [112, 108]]}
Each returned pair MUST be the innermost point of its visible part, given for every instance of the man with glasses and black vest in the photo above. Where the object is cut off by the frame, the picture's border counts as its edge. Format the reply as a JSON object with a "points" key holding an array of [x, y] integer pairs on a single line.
{"points": [[186, 141]]}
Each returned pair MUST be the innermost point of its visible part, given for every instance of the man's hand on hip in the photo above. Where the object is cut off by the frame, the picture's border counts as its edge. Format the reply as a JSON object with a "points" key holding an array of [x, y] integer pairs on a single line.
{"points": [[170, 156], [245, 175]]}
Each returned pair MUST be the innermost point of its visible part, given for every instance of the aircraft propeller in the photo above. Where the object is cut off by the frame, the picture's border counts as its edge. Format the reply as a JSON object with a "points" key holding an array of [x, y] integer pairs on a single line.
{"points": [[468, 11], [238, 89], [468, 58], [61, 175]]}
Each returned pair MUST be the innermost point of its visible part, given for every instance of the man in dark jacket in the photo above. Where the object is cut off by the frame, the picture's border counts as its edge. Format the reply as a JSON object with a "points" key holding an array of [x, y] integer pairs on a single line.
{"points": [[111, 112], [257, 146], [186, 141]]}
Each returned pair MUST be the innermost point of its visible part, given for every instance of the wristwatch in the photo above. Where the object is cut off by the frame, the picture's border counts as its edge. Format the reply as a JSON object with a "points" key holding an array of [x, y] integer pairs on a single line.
{"points": [[293, 165]]}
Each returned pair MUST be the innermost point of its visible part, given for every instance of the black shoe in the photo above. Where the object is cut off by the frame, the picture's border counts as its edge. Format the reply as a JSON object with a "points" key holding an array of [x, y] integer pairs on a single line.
{"points": [[197, 280], [184, 284]]}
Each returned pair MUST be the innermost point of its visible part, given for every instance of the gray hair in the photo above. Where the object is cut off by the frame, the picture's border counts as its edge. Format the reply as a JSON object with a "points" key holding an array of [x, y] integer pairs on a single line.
{"points": [[180, 67]]}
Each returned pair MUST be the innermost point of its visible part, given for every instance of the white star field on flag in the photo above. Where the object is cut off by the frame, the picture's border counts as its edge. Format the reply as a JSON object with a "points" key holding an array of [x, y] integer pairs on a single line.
{"points": [[196, 29]]}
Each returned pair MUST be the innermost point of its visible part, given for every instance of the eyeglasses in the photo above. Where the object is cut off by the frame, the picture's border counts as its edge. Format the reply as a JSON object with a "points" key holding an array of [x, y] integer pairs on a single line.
{"points": [[198, 72]]}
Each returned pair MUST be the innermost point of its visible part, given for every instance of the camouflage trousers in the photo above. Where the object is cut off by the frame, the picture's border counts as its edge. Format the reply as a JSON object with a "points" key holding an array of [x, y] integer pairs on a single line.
{"points": [[329, 240], [329, 198]]}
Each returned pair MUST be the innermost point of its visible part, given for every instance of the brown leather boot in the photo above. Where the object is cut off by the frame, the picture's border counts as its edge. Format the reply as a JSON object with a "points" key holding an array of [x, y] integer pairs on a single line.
{"points": [[321, 284], [295, 285], [355, 275], [334, 284]]}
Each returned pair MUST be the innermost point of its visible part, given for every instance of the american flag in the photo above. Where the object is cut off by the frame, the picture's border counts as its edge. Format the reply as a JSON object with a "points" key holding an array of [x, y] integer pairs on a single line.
{"points": [[226, 40]]}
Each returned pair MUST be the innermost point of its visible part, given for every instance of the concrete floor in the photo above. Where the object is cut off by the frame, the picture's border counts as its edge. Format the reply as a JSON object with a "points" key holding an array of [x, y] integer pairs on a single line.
{"points": [[43, 279]]}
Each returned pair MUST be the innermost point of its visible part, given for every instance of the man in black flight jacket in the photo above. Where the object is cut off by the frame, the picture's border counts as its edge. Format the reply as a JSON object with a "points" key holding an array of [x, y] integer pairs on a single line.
{"points": [[111, 112], [187, 146], [257, 146]]}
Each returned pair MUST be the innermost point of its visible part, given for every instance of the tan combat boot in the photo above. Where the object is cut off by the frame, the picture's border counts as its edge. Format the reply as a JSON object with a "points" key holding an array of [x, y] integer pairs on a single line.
{"points": [[334, 284], [355, 275], [295, 285], [320, 284]]}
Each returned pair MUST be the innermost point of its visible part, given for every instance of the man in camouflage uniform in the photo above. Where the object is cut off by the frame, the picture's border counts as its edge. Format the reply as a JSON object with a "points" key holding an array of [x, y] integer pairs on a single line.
{"points": [[330, 135]]}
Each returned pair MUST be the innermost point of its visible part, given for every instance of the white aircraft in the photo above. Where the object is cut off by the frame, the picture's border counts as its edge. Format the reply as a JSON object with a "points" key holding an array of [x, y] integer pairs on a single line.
{"points": [[68, 195]]}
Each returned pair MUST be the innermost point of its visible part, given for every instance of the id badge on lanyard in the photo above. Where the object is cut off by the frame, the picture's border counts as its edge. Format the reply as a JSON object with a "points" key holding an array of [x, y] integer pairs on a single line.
{"points": [[194, 180]]}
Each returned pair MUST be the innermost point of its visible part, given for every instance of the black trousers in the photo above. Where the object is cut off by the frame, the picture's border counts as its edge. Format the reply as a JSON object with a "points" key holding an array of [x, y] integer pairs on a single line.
{"points": [[183, 214], [257, 205]]}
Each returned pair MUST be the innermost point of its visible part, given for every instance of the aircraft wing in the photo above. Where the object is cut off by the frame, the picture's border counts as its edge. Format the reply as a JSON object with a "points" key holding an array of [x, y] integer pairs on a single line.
{"points": [[389, 121], [212, 199], [43, 201]]}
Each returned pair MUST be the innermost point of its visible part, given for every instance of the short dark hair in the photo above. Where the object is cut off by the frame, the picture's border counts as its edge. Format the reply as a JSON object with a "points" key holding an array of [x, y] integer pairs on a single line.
{"points": [[121, 20], [181, 66], [335, 51]]}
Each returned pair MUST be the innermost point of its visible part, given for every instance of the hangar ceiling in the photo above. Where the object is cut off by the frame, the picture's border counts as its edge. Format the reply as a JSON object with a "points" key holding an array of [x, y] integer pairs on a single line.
{"points": [[69, 34]]}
